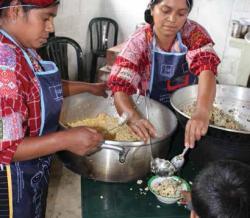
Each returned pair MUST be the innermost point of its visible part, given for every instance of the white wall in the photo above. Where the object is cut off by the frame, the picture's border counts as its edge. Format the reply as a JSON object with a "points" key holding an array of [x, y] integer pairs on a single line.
{"points": [[214, 15]]}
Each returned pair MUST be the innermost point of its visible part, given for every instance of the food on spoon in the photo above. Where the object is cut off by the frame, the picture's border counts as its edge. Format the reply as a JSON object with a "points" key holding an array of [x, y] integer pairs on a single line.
{"points": [[103, 123], [217, 117]]}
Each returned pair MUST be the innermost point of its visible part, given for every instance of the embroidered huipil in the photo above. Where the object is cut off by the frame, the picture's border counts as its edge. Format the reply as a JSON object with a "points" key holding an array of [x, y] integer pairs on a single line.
{"points": [[19, 100], [131, 69]]}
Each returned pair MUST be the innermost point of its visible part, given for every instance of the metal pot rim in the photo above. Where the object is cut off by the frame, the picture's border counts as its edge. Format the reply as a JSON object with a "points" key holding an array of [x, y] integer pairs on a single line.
{"points": [[210, 125], [130, 144]]}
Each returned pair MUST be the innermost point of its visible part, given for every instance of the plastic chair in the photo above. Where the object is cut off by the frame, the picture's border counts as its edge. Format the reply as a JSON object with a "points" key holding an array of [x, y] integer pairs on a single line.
{"points": [[103, 35], [57, 49]]}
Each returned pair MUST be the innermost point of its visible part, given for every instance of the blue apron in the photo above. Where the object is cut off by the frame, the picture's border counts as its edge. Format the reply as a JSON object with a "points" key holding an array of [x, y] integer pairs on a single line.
{"points": [[169, 72], [30, 178]]}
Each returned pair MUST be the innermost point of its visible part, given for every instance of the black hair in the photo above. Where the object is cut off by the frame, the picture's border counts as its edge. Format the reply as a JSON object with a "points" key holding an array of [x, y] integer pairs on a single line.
{"points": [[222, 190], [147, 14]]}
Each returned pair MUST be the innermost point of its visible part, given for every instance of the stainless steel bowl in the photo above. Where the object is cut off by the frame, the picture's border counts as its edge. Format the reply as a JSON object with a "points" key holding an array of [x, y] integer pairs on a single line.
{"points": [[233, 100], [219, 143]]}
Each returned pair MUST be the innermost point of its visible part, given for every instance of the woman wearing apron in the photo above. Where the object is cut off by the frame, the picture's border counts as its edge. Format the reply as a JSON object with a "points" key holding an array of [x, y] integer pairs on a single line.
{"points": [[168, 53], [31, 96]]}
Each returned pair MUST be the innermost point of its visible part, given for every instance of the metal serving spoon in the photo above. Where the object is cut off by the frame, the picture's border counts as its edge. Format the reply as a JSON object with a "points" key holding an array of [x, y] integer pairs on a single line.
{"points": [[179, 160], [164, 167]]}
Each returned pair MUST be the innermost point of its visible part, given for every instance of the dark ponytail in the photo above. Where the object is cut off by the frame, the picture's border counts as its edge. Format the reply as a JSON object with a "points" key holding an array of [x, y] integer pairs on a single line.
{"points": [[147, 14], [190, 4]]}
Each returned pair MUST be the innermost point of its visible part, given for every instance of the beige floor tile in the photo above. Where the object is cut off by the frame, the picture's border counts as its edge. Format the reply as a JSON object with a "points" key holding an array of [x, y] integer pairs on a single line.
{"points": [[64, 197]]}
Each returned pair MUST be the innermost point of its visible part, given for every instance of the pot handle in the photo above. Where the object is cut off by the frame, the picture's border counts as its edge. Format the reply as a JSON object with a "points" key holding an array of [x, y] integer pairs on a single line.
{"points": [[123, 152]]}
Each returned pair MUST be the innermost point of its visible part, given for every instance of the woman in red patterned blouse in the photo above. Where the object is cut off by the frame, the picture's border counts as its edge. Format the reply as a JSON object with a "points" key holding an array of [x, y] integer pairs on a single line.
{"points": [[31, 95], [168, 53]]}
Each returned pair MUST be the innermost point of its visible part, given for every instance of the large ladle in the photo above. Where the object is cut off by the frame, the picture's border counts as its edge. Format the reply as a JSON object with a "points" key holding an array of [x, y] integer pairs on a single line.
{"points": [[164, 167]]}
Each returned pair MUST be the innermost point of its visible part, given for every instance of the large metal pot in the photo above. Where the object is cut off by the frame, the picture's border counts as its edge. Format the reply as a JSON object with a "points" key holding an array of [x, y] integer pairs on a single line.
{"points": [[219, 143], [117, 161]]}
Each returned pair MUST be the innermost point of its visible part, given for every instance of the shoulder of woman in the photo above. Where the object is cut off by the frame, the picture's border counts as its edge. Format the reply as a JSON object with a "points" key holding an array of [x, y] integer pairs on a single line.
{"points": [[8, 56], [195, 35], [143, 33], [138, 42], [12, 59]]}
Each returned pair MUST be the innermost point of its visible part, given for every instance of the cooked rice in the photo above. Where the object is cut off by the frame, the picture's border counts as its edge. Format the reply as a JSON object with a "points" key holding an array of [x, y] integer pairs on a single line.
{"points": [[217, 117], [103, 123], [168, 188]]}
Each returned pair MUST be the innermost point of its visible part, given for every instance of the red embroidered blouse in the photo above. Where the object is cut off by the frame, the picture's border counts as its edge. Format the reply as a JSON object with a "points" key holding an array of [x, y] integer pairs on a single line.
{"points": [[132, 66], [19, 99]]}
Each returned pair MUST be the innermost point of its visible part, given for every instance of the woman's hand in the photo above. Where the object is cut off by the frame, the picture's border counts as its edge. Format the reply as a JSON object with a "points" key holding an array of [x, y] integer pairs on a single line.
{"points": [[143, 128], [196, 127], [99, 89], [82, 140]]}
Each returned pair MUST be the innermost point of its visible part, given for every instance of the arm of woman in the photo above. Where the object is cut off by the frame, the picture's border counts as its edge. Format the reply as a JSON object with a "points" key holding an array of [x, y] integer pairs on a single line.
{"points": [[203, 62], [79, 140], [197, 126], [140, 126], [75, 87], [131, 65]]}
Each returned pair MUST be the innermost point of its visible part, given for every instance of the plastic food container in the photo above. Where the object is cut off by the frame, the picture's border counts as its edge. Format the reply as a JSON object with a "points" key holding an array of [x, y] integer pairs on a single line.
{"points": [[156, 181]]}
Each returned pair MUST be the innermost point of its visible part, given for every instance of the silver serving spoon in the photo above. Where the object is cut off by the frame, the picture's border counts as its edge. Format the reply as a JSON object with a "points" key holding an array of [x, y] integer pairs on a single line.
{"points": [[164, 167], [179, 160]]}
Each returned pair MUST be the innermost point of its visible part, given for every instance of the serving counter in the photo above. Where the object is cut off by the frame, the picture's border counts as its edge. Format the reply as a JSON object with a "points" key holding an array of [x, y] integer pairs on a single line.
{"points": [[128, 200], [131, 200]]}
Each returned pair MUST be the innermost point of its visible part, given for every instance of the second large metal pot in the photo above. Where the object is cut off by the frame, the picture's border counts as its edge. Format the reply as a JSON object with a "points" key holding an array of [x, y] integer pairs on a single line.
{"points": [[219, 142], [117, 161]]}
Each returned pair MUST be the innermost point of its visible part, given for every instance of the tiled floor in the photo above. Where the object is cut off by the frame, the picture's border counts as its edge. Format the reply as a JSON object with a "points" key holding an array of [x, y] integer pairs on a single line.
{"points": [[64, 200]]}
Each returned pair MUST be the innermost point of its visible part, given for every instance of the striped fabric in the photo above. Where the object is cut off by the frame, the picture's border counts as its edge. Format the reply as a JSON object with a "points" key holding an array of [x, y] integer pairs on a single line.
{"points": [[5, 198]]}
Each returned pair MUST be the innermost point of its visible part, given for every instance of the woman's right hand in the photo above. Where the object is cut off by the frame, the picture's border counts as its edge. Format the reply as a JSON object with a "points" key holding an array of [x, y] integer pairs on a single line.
{"points": [[82, 140], [143, 128]]}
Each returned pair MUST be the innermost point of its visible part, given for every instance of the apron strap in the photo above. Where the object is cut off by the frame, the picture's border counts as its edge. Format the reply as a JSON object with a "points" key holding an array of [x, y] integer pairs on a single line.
{"points": [[6, 206]]}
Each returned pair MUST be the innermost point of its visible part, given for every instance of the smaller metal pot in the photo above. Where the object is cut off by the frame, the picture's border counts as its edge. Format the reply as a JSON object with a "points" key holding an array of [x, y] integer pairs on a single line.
{"points": [[245, 27], [236, 29]]}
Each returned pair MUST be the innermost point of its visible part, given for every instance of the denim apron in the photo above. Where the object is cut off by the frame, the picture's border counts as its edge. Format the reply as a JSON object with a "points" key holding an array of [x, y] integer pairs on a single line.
{"points": [[30, 178], [169, 72]]}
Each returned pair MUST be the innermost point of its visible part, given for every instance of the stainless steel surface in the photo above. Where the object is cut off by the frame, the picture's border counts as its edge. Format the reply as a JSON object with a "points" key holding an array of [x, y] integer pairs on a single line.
{"points": [[233, 100], [117, 161], [245, 27], [236, 29], [179, 160], [162, 167]]}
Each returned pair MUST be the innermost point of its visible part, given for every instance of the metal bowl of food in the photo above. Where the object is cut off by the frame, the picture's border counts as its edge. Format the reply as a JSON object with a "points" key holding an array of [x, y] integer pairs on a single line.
{"points": [[117, 161], [229, 133]]}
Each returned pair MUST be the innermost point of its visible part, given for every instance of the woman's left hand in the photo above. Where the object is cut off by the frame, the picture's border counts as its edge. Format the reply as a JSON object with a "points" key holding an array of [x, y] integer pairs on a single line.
{"points": [[99, 89], [196, 127]]}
